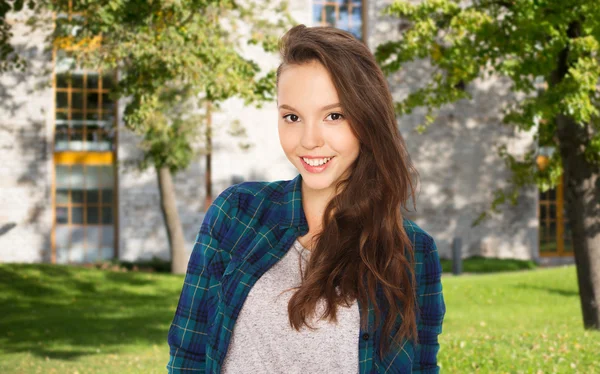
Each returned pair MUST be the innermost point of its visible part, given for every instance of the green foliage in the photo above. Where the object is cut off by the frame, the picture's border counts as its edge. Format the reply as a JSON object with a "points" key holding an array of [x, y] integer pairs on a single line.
{"points": [[548, 49], [480, 264], [173, 57]]}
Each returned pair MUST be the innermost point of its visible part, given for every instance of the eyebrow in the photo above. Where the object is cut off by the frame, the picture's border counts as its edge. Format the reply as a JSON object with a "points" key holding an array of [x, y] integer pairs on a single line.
{"points": [[330, 106]]}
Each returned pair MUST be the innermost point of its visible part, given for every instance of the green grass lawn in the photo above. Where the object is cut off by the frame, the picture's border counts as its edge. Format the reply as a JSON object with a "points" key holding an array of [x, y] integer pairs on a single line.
{"points": [[58, 319]]}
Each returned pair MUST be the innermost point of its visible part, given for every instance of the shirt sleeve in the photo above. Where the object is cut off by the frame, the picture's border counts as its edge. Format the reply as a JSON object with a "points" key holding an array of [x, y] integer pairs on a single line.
{"points": [[187, 336], [433, 309]]}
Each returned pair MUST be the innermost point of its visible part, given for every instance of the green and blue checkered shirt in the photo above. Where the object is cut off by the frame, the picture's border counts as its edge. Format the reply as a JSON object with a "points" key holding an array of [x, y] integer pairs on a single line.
{"points": [[246, 230]]}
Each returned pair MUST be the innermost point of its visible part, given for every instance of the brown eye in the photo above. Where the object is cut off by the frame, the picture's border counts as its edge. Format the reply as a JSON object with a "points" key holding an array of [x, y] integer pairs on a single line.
{"points": [[293, 117], [336, 116]]}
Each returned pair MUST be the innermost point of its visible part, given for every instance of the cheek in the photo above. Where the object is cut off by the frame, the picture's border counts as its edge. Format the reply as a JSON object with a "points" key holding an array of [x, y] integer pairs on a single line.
{"points": [[345, 142], [286, 139]]}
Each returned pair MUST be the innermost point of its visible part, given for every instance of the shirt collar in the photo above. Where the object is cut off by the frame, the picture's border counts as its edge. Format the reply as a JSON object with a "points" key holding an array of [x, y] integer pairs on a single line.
{"points": [[292, 212]]}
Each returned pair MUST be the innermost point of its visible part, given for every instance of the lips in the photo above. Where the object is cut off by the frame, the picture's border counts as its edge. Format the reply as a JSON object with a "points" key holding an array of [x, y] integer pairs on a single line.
{"points": [[316, 158], [315, 169]]}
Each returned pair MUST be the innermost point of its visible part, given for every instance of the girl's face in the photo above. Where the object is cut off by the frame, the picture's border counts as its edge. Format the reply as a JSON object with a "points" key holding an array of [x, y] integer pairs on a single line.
{"points": [[312, 125]]}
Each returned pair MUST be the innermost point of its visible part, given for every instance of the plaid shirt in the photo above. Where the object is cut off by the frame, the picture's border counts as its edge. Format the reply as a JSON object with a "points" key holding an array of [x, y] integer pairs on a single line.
{"points": [[247, 229]]}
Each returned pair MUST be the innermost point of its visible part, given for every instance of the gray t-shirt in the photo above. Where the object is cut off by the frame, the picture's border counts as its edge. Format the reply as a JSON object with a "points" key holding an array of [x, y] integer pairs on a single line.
{"points": [[264, 342]]}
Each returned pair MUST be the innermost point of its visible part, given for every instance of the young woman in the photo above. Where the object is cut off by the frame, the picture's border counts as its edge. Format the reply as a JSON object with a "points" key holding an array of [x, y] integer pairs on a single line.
{"points": [[321, 273]]}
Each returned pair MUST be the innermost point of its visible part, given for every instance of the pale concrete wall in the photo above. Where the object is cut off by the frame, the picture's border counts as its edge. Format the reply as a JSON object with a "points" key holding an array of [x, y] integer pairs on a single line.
{"points": [[142, 231], [458, 163], [456, 159], [25, 156]]}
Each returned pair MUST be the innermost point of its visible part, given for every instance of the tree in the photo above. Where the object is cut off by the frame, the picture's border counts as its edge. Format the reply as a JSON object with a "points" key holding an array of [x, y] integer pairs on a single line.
{"points": [[172, 57], [549, 51]]}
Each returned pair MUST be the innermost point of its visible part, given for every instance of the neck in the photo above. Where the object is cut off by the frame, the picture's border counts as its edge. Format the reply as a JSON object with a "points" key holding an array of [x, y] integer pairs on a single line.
{"points": [[314, 203]]}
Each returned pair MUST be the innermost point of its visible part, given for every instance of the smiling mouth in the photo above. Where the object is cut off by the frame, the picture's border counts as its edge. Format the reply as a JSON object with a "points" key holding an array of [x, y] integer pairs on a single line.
{"points": [[316, 166]]}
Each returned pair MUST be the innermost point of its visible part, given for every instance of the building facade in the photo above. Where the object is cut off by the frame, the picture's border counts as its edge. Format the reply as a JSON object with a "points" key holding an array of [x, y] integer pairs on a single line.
{"points": [[70, 192]]}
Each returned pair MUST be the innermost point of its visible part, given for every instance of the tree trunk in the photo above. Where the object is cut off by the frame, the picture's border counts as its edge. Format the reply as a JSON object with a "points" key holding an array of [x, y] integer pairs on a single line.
{"points": [[582, 189], [168, 207]]}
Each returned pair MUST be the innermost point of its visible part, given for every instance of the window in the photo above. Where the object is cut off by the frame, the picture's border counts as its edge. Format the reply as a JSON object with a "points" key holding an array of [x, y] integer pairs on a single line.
{"points": [[84, 207], [343, 14], [85, 113], [555, 233], [85, 137]]}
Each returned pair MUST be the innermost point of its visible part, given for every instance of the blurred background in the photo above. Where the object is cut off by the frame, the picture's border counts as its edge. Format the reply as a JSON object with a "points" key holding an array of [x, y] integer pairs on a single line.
{"points": [[121, 121]]}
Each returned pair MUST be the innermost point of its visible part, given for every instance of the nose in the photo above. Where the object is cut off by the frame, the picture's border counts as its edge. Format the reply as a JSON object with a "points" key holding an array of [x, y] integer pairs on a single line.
{"points": [[311, 135]]}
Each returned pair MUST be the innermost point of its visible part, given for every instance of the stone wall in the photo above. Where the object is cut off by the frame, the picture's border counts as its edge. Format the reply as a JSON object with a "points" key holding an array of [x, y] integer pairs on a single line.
{"points": [[456, 159], [142, 229], [25, 150], [458, 162]]}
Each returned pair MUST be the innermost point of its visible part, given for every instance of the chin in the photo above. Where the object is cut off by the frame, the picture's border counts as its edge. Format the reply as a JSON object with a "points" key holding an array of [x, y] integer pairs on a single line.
{"points": [[316, 181]]}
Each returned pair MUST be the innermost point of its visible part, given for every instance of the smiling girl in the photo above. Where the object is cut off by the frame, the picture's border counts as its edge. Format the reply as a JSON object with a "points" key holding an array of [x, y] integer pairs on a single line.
{"points": [[321, 273]]}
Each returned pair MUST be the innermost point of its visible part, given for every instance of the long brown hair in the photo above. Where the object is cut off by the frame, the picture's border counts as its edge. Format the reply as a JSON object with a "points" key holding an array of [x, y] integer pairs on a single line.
{"points": [[363, 237]]}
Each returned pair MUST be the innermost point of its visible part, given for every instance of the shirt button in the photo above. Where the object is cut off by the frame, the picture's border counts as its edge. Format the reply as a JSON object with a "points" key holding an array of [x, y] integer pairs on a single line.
{"points": [[365, 336]]}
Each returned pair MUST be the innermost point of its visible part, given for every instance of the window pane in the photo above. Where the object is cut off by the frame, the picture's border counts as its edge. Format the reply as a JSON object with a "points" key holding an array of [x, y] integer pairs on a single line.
{"points": [[92, 81], [77, 81], [330, 15], [62, 196], [106, 177], [77, 244], [92, 215], [77, 119], [77, 196], [92, 243], [62, 176], [77, 100], [77, 177], [107, 82], [61, 118], [62, 99], [93, 196], [107, 196], [91, 177], [93, 100], [62, 215], [77, 215], [317, 13], [92, 116], [343, 22], [62, 244], [76, 142], [107, 103], [552, 232], [107, 215], [356, 21], [62, 141], [107, 242], [62, 80], [102, 141]]}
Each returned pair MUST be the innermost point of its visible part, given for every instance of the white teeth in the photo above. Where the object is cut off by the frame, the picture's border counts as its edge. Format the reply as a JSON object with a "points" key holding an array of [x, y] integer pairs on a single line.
{"points": [[317, 162]]}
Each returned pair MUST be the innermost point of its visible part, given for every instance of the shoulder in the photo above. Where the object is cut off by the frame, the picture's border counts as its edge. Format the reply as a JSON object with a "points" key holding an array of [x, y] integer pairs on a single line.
{"points": [[421, 240], [259, 202], [259, 195], [261, 189]]}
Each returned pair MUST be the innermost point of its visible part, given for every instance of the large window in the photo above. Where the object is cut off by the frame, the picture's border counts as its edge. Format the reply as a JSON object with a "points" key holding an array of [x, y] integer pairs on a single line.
{"points": [[555, 233], [84, 111], [85, 138], [84, 204], [344, 14]]}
